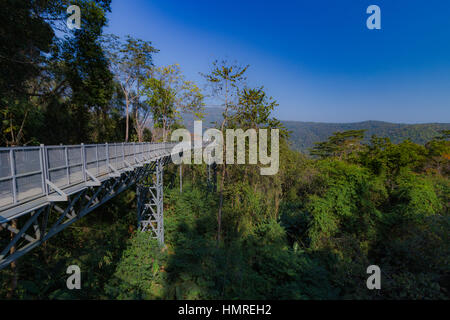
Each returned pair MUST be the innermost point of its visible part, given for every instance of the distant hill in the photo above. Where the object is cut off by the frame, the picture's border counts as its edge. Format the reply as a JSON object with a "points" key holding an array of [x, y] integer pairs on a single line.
{"points": [[304, 134]]}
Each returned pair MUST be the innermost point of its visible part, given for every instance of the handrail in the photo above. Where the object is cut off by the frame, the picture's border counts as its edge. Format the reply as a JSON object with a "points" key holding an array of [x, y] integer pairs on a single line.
{"points": [[27, 173]]}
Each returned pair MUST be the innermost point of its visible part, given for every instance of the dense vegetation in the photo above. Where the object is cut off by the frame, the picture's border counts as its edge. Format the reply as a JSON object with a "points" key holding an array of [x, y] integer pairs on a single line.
{"points": [[305, 134], [309, 232]]}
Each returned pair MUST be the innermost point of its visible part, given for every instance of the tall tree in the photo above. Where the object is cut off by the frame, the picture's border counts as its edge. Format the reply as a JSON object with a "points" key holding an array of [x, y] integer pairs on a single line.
{"points": [[36, 65], [192, 100], [131, 62], [225, 81], [25, 41], [254, 109], [44, 62], [340, 144], [168, 94]]}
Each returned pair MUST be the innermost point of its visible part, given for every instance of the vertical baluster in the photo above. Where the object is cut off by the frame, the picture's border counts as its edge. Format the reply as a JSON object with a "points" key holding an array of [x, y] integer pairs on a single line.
{"points": [[96, 158], [13, 174], [83, 162], [107, 157], [66, 154], [114, 158], [42, 167], [123, 154], [46, 169]]}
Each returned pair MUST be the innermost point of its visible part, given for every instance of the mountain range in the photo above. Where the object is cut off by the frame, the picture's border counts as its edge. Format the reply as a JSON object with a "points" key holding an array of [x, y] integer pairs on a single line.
{"points": [[303, 135]]}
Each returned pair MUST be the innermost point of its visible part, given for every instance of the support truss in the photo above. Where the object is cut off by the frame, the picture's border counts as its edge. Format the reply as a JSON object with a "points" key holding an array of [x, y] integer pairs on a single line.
{"points": [[150, 203], [32, 229]]}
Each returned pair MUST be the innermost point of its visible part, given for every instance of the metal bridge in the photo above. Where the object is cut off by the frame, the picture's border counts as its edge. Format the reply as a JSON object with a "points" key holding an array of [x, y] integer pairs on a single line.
{"points": [[44, 189]]}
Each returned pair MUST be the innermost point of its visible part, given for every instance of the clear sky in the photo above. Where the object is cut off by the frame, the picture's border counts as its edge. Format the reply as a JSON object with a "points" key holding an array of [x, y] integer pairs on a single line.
{"points": [[316, 58]]}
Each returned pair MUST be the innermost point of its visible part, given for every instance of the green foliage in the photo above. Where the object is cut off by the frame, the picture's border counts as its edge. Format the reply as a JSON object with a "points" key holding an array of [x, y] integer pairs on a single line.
{"points": [[340, 144], [256, 265], [24, 36], [307, 233], [416, 258], [140, 273], [45, 67], [414, 197], [254, 109], [305, 134], [345, 206], [226, 80]]}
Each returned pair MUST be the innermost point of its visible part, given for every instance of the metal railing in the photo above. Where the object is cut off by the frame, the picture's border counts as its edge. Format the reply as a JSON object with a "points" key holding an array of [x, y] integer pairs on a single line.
{"points": [[27, 173]]}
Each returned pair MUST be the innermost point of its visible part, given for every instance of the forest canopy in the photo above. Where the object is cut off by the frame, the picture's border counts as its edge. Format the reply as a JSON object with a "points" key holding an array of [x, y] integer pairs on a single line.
{"points": [[309, 232]]}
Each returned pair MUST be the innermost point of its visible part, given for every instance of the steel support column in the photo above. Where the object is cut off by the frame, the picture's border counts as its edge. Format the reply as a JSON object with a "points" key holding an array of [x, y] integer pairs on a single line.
{"points": [[150, 199]]}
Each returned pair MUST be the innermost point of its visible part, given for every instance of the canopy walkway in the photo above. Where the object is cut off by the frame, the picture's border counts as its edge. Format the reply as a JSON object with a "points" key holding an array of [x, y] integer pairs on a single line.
{"points": [[44, 189]]}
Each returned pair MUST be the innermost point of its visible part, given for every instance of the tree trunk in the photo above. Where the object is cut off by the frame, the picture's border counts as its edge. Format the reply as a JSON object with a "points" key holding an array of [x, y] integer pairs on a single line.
{"points": [[126, 120], [277, 204], [164, 130], [181, 177], [139, 127], [219, 213], [222, 179]]}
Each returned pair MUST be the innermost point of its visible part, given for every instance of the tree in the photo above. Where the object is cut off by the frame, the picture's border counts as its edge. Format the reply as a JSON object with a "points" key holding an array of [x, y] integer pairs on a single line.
{"points": [[192, 100], [254, 109], [225, 81], [439, 153], [25, 44], [90, 81], [36, 66], [140, 272], [168, 94], [445, 135], [131, 62], [25, 36], [46, 63], [162, 89], [340, 144]]}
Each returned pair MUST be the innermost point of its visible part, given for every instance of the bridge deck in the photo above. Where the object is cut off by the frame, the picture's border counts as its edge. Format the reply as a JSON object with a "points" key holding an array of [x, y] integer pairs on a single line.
{"points": [[32, 177]]}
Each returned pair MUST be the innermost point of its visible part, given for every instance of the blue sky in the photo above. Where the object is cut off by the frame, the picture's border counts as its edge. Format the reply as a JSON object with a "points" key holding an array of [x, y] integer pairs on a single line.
{"points": [[316, 58]]}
